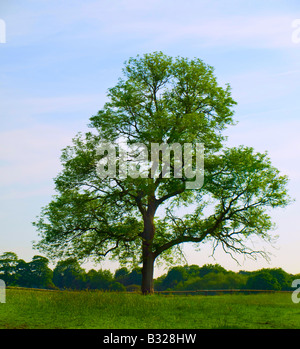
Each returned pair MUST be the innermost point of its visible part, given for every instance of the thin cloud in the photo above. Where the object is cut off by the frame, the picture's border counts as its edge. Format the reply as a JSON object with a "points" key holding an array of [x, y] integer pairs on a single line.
{"points": [[154, 21]]}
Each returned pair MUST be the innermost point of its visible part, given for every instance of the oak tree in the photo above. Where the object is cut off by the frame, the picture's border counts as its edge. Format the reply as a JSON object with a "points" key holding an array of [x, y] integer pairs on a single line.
{"points": [[160, 100]]}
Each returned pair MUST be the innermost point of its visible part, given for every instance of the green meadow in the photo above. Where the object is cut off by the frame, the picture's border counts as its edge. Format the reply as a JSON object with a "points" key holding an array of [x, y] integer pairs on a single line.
{"points": [[38, 309]]}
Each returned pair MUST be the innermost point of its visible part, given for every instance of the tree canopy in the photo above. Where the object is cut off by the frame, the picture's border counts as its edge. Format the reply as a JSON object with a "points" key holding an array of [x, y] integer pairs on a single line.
{"points": [[160, 100]]}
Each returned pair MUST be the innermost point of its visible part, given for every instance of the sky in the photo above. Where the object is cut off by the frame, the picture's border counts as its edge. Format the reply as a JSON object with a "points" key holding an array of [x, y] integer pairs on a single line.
{"points": [[60, 57]]}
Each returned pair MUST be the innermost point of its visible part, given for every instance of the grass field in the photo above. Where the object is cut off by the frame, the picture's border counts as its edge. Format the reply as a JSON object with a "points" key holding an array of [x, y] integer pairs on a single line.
{"points": [[63, 309]]}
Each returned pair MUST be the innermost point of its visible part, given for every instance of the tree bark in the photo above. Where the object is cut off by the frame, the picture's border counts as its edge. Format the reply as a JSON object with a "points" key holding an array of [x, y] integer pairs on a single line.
{"points": [[147, 272], [148, 255]]}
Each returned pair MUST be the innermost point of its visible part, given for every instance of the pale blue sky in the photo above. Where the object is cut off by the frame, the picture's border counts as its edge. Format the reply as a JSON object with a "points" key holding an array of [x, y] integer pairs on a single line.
{"points": [[61, 57]]}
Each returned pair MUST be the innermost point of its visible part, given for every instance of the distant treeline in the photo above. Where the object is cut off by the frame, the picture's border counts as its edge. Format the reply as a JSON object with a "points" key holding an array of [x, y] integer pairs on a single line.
{"points": [[68, 274]]}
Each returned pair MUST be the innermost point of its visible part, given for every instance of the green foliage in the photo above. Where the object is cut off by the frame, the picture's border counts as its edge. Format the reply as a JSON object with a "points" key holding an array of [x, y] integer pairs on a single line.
{"points": [[196, 278], [8, 263], [175, 276], [214, 281], [284, 279], [69, 274], [214, 277], [263, 281], [211, 268], [121, 273], [17, 272], [40, 272], [126, 277], [270, 279], [102, 280]]}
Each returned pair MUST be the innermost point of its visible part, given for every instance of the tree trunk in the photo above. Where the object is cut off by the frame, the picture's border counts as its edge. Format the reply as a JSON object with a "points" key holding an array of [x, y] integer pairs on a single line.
{"points": [[148, 255], [148, 268]]}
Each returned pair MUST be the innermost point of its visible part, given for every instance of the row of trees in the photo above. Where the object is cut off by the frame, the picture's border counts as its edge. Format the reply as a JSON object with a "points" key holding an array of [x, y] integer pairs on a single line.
{"points": [[215, 277], [68, 274]]}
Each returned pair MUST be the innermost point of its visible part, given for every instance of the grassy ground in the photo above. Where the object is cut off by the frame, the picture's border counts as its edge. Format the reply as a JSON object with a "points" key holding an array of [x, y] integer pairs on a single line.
{"points": [[45, 309]]}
